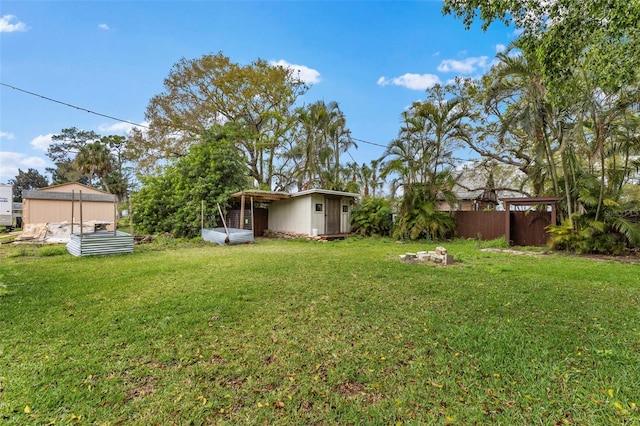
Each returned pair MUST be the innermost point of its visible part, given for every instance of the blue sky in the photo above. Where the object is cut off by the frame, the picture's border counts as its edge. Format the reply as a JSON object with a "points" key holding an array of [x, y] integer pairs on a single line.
{"points": [[111, 57]]}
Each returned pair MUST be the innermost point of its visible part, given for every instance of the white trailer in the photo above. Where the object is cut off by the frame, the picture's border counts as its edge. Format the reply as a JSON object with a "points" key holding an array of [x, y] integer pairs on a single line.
{"points": [[6, 205]]}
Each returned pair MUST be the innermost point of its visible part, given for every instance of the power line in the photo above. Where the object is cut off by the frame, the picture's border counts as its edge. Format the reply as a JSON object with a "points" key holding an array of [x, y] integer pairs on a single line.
{"points": [[370, 143], [122, 120], [74, 106]]}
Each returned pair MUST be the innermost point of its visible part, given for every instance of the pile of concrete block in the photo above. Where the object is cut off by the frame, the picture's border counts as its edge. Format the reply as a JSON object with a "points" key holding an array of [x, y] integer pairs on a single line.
{"points": [[439, 255]]}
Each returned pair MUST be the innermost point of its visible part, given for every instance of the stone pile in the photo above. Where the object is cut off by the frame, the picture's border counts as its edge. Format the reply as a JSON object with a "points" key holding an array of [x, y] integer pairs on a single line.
{"points": [[439, 255]]}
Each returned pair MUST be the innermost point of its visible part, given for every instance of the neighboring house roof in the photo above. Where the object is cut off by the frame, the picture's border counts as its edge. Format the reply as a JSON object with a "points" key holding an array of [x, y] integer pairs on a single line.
{"points": [[479, 194]]}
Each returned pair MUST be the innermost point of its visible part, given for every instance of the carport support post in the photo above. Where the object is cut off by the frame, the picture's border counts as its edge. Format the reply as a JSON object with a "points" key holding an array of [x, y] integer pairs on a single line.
{"points": [[252, 222], [507, 223], [115, 216], [81, 214], [72, 201], [242, 212]]}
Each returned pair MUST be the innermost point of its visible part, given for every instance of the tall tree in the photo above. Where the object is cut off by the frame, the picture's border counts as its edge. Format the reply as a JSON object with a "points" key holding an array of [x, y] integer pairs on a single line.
{"points": [[599, 116], [31, 179], [86, 157], [421, 161], [364, 178], [322, 137], [63, 151], [214, 90], [94, 160], [431, 130], [119, 179], [212, 170], [519, 121], [601, 36]]}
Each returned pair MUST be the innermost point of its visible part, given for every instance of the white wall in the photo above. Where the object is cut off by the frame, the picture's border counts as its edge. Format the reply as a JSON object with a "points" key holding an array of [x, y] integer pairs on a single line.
{"points": [[298, 214], [291, 215]]}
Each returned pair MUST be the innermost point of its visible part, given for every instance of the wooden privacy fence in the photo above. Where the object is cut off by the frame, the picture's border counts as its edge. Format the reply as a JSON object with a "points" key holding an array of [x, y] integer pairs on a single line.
{"points": [[484, 225], [526, 228]]}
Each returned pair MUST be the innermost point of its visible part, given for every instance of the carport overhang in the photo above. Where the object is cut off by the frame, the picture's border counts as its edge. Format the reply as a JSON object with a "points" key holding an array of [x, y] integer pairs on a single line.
{"points": [[259, 196]]}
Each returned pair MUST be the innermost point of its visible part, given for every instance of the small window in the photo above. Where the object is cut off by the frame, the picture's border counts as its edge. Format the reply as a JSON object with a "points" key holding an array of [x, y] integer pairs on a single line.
{"points": [[318, 207], [345, 208]]}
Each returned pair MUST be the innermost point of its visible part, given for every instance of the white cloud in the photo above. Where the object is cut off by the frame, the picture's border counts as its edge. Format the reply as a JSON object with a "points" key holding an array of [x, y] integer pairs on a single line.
{"points": [[6, 135], [466, 66], [411, 81], [10, 23], [6, 156], [10, 162], [33, 162], [103, 27], [308, 75], [500, 48], [42, 142]]}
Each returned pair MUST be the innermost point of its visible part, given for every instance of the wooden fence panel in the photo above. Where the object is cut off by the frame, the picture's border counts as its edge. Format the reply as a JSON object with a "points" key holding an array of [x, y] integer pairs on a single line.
{"points": [[485, 225], [528, 228]]}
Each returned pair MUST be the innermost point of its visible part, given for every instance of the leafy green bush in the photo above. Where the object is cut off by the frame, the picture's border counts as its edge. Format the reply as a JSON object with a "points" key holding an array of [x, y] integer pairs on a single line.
{"points": [[423, 221], [616, 234], [372, 216], [171, 201]]}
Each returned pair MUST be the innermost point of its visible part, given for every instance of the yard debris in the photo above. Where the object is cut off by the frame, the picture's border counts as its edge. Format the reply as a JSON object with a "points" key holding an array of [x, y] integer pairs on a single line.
{"points": [[292, 235], [516, 252], [56, 233], [439, 256], [59, 233]]}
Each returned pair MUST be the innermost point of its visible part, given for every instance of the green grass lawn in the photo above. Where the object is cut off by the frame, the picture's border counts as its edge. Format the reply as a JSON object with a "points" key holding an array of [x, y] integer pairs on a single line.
{"points": [[297, 332]]}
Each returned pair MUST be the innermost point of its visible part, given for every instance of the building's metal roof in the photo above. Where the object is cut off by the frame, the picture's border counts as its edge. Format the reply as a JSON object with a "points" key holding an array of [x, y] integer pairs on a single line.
{"points": [[65, 196], [260, 196], [325, 192]]}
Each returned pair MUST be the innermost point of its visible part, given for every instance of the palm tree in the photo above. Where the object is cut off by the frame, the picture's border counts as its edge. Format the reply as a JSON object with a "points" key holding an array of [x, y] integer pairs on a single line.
{"points": [[323, 136], [421, 160], [430, 132], [363, 178], [95, 161], [607, 130], [516, 94], [448, 126], [339, 138]]}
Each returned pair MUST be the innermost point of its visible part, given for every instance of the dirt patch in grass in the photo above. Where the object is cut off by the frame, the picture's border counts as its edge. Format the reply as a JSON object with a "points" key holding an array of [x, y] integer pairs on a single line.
{"points": [[350, 389], [145, 387], [515, 252], [630, 258]]}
